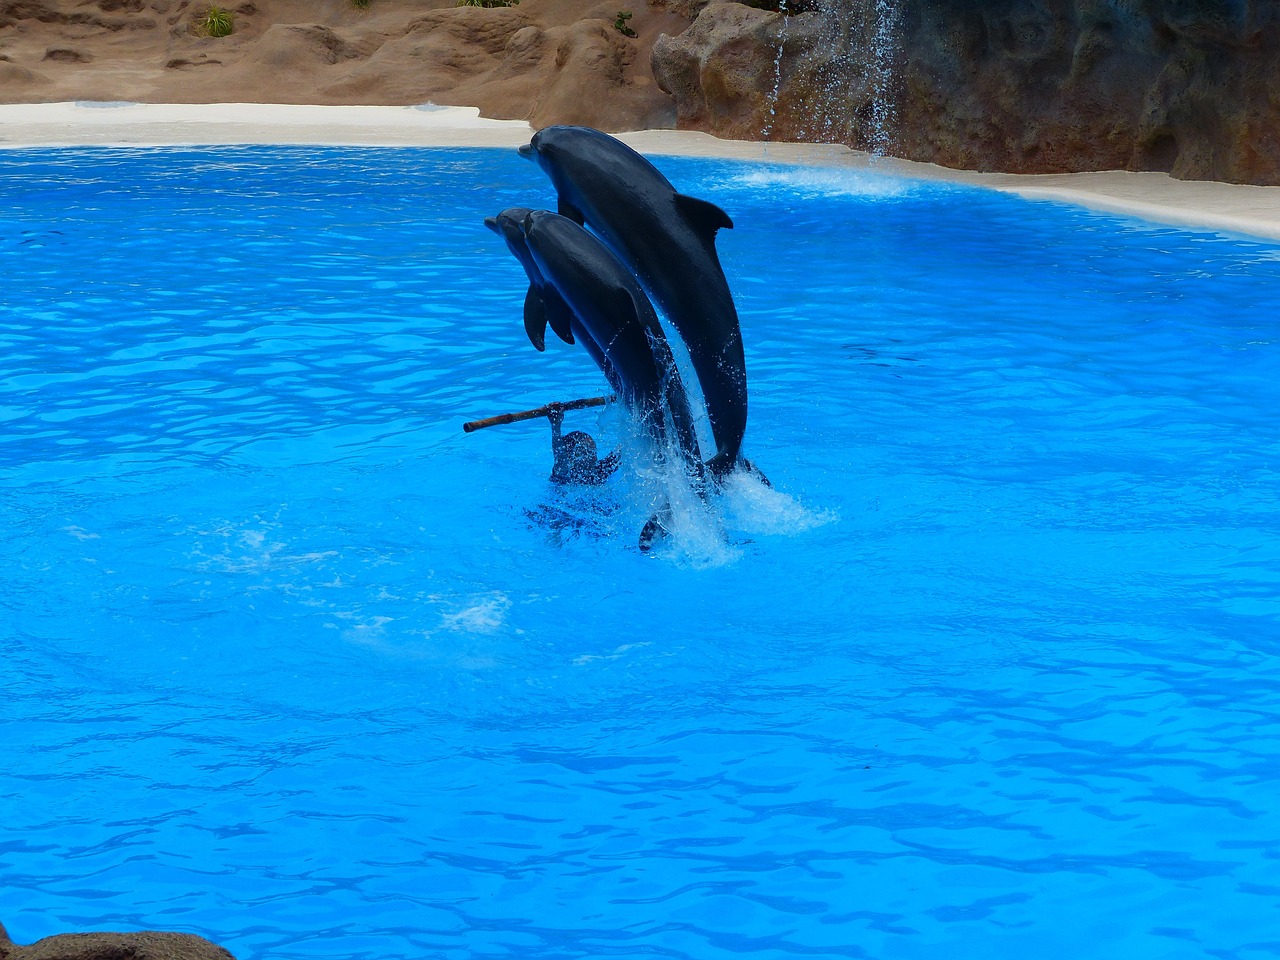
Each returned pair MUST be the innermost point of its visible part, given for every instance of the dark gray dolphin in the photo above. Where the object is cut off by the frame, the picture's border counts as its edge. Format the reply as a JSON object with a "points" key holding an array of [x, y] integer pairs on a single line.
{"points": [[668, 239], [606, 299], [542, 303], [537, 311]]}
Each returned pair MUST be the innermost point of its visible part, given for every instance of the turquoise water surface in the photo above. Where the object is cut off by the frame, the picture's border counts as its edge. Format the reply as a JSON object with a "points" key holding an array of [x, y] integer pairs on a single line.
{"points": [[292, 662]]}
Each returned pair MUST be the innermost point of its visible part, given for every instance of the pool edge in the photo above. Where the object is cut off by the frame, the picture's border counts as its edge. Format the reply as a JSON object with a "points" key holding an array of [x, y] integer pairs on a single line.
{"points": [[1156, 197]]}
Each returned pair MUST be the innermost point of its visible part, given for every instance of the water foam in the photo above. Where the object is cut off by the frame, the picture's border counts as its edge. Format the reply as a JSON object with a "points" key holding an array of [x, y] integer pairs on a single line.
{"points": [[705, 532], [757, 508], [818, 182]]}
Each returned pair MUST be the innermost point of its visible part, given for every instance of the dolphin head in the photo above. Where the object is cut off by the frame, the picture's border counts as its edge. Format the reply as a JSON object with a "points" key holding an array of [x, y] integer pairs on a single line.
{"points": [[530, 150], [552, 146], [507, 225], [531, 219]]}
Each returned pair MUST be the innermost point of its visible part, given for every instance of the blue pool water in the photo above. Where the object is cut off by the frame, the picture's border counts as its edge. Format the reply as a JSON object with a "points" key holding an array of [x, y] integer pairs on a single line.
{"points": [[292, 662]]}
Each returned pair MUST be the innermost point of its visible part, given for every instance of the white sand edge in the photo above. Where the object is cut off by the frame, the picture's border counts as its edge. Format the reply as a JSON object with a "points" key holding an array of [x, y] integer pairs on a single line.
{"points": [[1157, 197]]}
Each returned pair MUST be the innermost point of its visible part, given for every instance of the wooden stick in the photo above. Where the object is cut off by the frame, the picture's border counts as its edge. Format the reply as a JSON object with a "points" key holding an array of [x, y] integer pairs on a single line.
{"points": [[536, 412]]}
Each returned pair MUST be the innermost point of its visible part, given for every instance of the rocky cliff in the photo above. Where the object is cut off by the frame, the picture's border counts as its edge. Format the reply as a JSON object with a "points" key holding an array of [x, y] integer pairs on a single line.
{"points": [[1189, 87], [545, 61]]}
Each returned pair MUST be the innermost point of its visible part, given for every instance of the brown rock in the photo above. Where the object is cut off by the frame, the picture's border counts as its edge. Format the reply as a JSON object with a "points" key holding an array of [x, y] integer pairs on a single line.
{"points": [[67, 55], [146, 945], [296, 47], [1183, 86], [14, 76], [748, 73], [716, 70], [543, 60]]}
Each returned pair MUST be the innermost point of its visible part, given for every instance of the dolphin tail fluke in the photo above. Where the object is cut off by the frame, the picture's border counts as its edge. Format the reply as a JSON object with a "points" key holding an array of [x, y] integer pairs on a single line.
{"points": [[656, 527], [748, 467], [721, 465]]}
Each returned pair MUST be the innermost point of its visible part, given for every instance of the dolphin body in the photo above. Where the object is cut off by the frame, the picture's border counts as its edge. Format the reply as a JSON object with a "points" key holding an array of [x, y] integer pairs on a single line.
{"points": [[543, 304], [612, 308], [668, 239]]}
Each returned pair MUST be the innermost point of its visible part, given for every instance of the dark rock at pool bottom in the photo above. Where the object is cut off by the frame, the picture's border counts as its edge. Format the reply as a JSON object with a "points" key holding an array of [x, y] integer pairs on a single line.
{"points": [[146, 945], [1180, 86]]}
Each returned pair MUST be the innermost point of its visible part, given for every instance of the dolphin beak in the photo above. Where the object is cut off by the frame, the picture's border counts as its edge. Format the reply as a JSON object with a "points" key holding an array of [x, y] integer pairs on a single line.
{"points": [[492, 224], [526, 151]]}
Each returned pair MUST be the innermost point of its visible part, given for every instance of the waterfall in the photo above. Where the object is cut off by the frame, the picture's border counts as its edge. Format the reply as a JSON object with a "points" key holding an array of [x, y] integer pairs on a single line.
{"points": [[883, 68], [767, 133], [841, 71]]}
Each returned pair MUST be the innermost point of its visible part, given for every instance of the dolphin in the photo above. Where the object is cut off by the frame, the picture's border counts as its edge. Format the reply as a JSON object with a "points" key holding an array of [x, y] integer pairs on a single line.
{"points": [[614, 310], [538, 312], [543, 304], [668, 239]]}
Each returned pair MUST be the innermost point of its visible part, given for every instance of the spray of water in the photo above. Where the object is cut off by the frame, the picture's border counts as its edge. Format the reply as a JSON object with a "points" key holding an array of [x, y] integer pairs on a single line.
{"points": [[884, 57], [855, 51], [709, 526], [767, 133]]}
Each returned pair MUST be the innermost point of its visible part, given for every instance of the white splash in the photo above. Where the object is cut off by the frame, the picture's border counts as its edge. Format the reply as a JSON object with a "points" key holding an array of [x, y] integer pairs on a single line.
{"points": [[756, 508], [818, 182], [481, 615]]}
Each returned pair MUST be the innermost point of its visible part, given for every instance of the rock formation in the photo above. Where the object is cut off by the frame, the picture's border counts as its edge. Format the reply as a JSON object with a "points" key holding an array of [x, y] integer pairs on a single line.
{"points": [[541, 60], [147, 945], [1023, 86], [1183, 86]]}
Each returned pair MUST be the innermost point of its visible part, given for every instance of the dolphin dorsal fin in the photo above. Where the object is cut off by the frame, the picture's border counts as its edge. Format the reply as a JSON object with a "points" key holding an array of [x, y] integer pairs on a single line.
{"points": [[705, 217], [535, 319]]}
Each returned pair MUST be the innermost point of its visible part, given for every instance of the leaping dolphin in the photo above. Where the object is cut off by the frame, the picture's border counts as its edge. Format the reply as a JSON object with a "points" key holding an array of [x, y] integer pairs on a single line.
{"points": [[542, 303], [609, 303], [668, 239]]}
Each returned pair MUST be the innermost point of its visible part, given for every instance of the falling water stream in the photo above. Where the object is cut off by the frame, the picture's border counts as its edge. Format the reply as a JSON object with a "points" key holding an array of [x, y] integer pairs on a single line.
{"points": [[856, 45]]}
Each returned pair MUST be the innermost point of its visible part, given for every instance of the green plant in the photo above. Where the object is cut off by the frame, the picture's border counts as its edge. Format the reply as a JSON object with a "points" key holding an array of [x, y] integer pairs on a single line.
{"points": [[216, 22], [360, 4], [486, 3], [620, 24]]}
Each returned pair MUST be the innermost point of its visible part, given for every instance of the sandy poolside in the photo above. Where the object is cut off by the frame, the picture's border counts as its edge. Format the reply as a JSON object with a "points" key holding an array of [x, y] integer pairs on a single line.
{"points": [[1233, 208]]}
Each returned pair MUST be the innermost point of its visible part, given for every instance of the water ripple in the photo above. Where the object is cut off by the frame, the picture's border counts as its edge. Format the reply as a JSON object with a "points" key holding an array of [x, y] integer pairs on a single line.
{"points": [[293, 663]]}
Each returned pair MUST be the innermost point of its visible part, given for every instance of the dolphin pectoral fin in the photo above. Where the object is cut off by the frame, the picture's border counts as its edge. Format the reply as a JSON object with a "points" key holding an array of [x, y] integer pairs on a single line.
{"points": [[705, 217], [558, 314], [567, 209], [535, 318]]}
